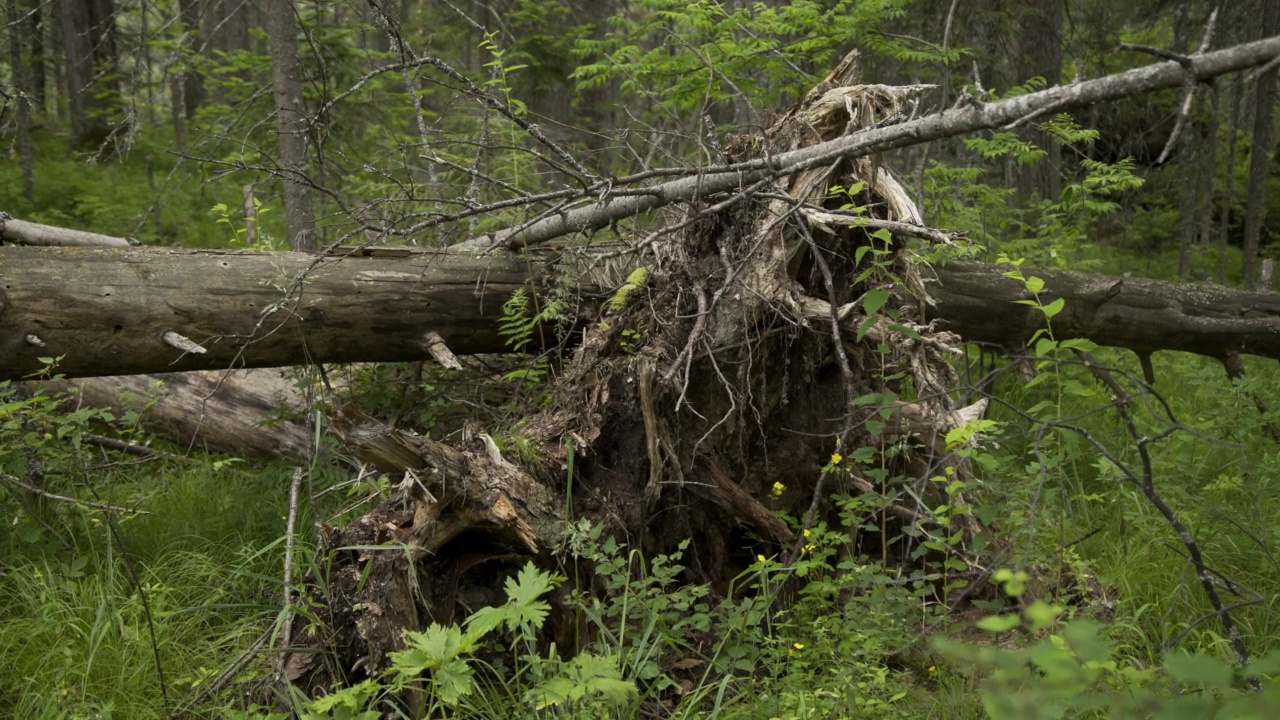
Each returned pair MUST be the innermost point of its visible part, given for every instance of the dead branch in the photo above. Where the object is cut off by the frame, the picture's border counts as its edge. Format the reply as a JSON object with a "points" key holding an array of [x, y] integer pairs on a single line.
{"points": [[957, 121]]}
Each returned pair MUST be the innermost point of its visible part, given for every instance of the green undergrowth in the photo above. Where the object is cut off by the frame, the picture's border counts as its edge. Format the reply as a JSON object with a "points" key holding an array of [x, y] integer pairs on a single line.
{"points": [[1124, 627], [1101, 615], [145, 193], [1217, 471], [650, 644], [74, 632], [91, 600]]}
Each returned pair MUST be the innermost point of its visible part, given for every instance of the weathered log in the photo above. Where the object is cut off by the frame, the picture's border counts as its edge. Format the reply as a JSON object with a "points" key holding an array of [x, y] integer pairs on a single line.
{"points": [[115, 311], [242, 412], [980, 304], [29, 233], [106, 311]]}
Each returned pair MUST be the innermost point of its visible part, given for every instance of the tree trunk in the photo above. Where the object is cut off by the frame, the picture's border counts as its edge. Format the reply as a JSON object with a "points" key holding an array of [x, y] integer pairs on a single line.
{"points": [[979, 304], [1229, 190], [1189, 174], [21, 80], [1037, 42], [291, 124], [131, 310], [176, 93], [244, 412], [27, 233], [234, 34], [93, 81], [1260, 150], [191, 79], [35, 31], [109, 311], [1209, 176]]}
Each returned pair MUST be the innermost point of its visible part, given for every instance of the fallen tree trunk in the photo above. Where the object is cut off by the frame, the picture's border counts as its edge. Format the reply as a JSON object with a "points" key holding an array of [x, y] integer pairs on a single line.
{"points": [[966, 117], [107, 312], [29, 233], [243, 412], [134, 311], [980, 304]]}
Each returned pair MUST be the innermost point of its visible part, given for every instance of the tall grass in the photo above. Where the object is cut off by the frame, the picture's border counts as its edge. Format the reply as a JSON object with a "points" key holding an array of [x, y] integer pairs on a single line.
{"points": [[74, 633]]}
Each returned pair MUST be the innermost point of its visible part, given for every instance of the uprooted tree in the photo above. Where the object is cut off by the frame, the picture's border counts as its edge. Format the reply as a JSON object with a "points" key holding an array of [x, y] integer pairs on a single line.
{"points": [[720, 358]]}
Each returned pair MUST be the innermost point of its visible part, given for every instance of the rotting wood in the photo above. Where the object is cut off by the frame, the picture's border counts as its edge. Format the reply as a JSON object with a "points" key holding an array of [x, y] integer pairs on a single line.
{"points": [[436, 347], [453, 490], [245, 412]]}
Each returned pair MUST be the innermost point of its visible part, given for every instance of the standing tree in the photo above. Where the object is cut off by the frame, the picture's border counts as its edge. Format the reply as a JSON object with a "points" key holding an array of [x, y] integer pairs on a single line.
{"points": [[92, 69], [22, 89], [1260, 150], [291, 124], [191, 78], [34, 15]]}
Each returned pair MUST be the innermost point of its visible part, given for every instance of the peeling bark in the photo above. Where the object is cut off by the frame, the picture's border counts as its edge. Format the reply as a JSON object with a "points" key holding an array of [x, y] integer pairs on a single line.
{"points": [[246, 413]]}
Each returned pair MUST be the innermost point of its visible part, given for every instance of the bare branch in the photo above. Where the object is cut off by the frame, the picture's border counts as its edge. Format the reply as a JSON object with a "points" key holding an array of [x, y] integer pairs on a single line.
{"points": [[957, 121], [63, 498]]}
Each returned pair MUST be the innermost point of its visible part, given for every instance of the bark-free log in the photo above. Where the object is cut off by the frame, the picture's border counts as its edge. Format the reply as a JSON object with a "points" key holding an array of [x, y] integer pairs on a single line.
{"points": [[237, 412], [107, 311], [29, 233]]}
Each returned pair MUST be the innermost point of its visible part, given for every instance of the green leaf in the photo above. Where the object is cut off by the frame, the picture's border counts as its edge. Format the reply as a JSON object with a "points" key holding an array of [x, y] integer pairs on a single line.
{"points": [[1054, 308], [1034, 284], [452, 680], [1082, 344], [1041, 615], [347, 699], [1268, 664], [874, 300], [428, 650], [999, 623], [1084, 638], [1199, 669], [865, 326]]}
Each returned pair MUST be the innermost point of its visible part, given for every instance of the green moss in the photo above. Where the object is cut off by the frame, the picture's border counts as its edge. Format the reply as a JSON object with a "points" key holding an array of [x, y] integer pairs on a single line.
{"points": [[635, 280]]}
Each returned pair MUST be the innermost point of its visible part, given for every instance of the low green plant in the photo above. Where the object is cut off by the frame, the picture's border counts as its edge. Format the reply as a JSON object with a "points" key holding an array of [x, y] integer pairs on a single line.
{"points": [[524, 319], [467, 671], [1042, 664], [239, 229]]}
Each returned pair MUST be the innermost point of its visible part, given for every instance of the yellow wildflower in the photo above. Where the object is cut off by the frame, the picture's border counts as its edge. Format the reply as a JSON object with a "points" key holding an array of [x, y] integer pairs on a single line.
{"points": [[778, 488], [836, 458]]}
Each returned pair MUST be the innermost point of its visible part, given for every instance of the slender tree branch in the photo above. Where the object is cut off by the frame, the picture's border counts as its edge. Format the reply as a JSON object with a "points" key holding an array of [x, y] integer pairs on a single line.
{"points": [[957, 121], [1146, 483], [63, 498]]}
